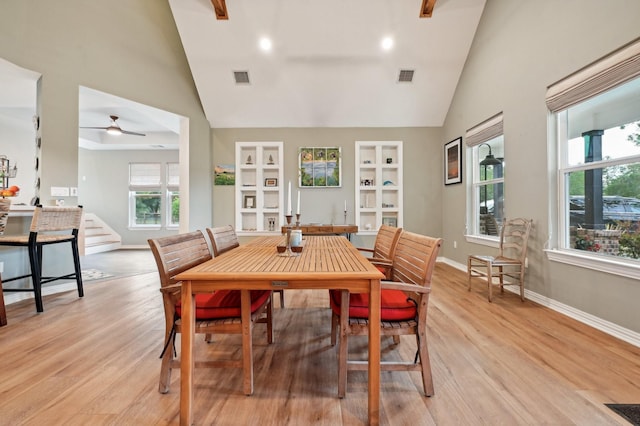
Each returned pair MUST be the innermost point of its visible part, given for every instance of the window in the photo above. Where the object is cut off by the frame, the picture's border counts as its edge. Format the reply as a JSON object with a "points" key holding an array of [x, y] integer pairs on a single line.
{"points": [[173, 195], [596, 118], [485, 148], [145, 195]]}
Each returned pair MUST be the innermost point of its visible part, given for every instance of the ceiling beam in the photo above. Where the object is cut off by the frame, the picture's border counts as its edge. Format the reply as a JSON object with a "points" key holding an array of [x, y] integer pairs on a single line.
{"points": [[220, 7], [427, 8]]}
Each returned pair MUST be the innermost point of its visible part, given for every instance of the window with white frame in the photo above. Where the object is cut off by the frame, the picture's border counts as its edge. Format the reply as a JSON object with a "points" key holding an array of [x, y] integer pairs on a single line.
{"points": [[596, 119], [173, 195], [145, 195], [485, 148]]}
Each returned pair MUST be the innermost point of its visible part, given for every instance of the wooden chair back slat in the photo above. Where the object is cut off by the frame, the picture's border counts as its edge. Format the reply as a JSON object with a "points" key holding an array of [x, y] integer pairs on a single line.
{"points": [[223, 239], [385, 243], [177, 253]]}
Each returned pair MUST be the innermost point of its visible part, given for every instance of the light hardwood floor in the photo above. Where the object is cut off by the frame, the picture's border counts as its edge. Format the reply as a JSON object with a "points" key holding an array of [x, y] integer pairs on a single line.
{"points": [[95, 361]]}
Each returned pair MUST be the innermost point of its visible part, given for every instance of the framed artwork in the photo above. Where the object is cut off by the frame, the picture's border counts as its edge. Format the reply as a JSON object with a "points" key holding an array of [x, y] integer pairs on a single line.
{"points": [[224, 174], [271, 182], [320, 167], [249, 202], [453, 162], [390, 221]]}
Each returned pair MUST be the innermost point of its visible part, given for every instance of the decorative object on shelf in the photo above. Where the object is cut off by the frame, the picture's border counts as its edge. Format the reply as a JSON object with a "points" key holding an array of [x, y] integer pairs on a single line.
{"points": [[320, 167], [36, 122], [388, 182], [271, 182], [249, 160], [249, 201], [390, 221], [224, 174], [270, 162], [453, 162], [272, 223], [389, 160]]}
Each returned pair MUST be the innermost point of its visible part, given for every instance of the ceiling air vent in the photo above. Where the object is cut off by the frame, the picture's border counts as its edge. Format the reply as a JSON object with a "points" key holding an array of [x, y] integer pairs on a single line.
{"points": [[242, 77], [406, 76]]}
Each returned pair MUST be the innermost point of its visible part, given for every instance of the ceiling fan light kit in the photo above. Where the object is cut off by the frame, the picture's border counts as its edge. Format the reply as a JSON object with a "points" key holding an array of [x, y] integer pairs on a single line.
{"points": [[114, 128]]}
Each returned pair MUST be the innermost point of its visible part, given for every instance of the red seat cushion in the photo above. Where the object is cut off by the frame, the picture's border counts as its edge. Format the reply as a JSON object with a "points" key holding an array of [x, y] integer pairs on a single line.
{"points": [[224, 304], [394, 305]]}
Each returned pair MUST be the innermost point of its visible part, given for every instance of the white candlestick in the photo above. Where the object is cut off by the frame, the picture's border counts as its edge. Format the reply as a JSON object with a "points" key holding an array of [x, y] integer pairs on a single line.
{"points": [[298, 209], [289, 200], [345, 205]]}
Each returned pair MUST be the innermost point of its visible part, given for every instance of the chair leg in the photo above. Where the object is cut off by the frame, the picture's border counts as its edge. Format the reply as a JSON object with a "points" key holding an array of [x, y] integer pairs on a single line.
{"points": [[3, 311], [335, 320], [489, 279], [281, 292], [423, 350], [522, 283], [469, 273], [35, 263], [76, 266], [165, 367], [270, 319], [343, 352]]}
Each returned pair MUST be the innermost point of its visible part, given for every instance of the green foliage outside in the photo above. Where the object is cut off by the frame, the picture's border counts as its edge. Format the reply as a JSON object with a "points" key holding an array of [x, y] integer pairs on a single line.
{"points": [[175, 209], [148, 208]]}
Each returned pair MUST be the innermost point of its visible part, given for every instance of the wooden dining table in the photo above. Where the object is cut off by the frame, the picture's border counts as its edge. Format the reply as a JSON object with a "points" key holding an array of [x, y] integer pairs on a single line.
{"points": [[326, 262]]}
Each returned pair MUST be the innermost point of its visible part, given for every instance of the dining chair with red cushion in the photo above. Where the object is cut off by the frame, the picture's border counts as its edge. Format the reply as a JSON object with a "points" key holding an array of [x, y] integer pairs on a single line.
{"points": [[403, 299], [216, 313]]}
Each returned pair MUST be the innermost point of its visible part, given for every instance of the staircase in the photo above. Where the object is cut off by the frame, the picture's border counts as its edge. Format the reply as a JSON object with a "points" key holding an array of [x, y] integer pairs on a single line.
{"points": [[96, 236]]}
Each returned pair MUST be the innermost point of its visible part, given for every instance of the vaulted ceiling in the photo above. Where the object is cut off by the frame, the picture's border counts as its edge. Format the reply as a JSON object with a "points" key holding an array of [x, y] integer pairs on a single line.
{"points": [[326, 66]]}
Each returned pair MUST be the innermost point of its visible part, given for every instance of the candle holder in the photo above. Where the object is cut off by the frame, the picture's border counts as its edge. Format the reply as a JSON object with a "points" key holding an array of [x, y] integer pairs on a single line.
{"points": [[287, 252], [345, 217], [297, 219]]}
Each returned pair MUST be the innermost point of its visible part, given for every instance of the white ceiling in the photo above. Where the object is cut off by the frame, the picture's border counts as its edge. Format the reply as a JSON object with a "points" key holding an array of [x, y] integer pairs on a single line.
{"points": [[326, 67]]}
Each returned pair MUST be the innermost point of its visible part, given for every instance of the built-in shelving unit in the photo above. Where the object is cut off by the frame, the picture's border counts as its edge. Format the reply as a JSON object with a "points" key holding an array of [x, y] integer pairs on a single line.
{"points": [[378, 185], [259, 194]]}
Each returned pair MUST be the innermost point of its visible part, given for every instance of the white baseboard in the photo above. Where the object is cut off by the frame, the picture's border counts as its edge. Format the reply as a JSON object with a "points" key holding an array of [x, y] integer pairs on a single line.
{"points": [[608, 327]]}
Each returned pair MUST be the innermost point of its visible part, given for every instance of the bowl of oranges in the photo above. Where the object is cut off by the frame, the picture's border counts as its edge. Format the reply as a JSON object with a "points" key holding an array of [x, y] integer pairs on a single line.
{"points": [[11, 191]]}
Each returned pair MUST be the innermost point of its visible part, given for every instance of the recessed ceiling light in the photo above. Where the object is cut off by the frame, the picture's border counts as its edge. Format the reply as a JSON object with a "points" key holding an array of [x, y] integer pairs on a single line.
{"points": [[265, 44], [387, 43]]}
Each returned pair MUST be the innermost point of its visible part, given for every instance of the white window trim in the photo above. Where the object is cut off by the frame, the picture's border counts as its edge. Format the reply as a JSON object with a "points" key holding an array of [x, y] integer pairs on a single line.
{"points": [[608, 264], [489, 129], [605, 74]]}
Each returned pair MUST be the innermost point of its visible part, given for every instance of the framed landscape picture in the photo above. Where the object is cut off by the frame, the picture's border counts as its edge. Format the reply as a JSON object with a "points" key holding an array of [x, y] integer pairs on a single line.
{"points": [[453, 162], [320, 167]]}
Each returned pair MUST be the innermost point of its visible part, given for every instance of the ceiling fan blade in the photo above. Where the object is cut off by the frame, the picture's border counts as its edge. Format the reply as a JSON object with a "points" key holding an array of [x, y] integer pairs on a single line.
{"points": [[127, 132], [98, 128]]}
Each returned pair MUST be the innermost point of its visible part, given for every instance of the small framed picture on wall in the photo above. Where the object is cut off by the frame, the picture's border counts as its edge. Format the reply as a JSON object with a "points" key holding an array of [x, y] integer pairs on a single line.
{"points": [[453, 162]]}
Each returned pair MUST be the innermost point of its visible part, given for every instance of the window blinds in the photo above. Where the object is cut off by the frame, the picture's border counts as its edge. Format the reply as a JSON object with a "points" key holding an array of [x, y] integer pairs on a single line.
{"points": [[611, 71], [484, 131], [144, 174]]}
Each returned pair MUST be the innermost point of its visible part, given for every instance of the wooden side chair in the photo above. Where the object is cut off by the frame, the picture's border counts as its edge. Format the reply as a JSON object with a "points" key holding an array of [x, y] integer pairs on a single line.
{"points": [[404, 302], [50, 225], [223, 239], [510, 261], [216, 313], [381, 254]]}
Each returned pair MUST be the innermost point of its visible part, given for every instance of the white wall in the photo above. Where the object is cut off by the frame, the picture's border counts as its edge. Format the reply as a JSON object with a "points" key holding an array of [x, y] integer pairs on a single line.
{"points": [[422, 149], [519, 50]]}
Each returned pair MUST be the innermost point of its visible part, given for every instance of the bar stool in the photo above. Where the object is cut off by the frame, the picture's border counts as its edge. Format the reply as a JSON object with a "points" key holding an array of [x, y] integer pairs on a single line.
{"points": [[50, 225], [5, 205]]}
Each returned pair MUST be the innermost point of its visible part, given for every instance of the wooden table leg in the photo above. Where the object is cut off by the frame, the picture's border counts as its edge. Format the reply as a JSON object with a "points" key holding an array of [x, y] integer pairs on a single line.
{"points": [[186, 354], [374, 353], [3, 311], [247, 344]]}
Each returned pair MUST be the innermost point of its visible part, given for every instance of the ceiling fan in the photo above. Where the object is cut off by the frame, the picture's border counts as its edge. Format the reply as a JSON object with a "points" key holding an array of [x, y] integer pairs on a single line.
{"points": [[114, 128]]}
